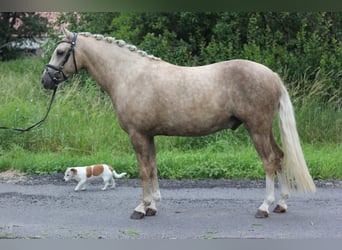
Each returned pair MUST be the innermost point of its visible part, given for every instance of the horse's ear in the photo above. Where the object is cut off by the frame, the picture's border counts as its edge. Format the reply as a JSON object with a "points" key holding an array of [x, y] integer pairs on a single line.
{"points": [[66, 32]]}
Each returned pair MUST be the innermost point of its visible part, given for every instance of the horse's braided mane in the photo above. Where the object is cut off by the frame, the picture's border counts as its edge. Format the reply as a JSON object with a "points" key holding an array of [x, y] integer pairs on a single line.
{"points": [[120, 43]]}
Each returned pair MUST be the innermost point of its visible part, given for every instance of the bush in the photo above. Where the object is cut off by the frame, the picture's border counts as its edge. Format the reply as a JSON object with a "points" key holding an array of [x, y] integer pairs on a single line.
{"points": [[17, 27]]}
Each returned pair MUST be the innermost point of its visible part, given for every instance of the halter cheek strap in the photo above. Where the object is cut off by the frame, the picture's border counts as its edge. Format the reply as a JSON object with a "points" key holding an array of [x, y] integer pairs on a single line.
{"points": [[58, 76]]}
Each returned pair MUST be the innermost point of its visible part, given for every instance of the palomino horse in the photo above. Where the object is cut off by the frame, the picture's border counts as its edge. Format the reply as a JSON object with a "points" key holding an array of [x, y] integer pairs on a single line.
{"points": [[152, 97]]}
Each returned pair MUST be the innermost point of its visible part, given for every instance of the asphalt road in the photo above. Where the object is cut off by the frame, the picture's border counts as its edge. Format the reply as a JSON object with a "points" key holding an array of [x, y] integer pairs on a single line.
{"points": [[50, 209]]}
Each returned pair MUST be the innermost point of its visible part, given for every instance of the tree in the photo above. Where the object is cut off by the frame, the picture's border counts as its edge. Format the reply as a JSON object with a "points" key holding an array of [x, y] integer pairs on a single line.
{"points": [[18, 26]]}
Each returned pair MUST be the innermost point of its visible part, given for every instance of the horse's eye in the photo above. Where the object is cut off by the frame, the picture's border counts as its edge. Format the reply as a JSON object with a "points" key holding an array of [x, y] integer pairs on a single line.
{"points": [[60, 52]]}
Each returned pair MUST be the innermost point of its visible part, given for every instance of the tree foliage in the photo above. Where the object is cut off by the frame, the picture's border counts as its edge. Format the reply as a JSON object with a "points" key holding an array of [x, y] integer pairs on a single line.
{"points": [[17, 26]]}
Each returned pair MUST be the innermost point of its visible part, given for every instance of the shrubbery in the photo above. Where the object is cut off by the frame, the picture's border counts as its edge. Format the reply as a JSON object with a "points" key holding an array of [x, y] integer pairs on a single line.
{"points": [[18, 27]]}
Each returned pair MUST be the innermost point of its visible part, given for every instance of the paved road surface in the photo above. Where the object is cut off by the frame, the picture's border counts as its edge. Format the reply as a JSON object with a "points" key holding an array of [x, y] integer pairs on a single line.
{"points": [[221, 209]]}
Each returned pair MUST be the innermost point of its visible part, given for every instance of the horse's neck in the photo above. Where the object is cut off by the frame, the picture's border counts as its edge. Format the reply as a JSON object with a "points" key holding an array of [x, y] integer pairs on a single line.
{"points": [[105, 62]]}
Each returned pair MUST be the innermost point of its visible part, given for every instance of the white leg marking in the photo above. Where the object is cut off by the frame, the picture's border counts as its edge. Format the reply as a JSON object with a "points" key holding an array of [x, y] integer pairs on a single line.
{"points": [[155, 190], [284, 190], [149, 199], [269, 198], [156, 196], [147, 195]]}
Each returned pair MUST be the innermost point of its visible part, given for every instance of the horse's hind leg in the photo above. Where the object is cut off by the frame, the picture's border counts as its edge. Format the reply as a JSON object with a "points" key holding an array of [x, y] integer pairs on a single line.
{"points": [[145, 152], [263, 145], [283, 185]]}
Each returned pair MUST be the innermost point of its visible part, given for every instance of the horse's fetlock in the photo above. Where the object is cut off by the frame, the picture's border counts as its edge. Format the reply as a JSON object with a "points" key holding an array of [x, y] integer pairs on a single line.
{"points": [[157, 196], [147, 201]]}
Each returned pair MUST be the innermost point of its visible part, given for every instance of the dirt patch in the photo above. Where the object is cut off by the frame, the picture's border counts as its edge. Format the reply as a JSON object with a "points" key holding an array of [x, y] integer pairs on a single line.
{"points": [[13, 176]]}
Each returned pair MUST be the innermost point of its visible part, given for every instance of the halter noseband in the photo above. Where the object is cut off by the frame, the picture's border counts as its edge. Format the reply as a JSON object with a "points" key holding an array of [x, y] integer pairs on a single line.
{"points": [[58, 76]]}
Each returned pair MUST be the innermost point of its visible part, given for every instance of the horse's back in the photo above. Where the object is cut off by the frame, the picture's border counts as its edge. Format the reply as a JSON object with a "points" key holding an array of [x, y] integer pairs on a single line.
{"points": [[237, 85]]}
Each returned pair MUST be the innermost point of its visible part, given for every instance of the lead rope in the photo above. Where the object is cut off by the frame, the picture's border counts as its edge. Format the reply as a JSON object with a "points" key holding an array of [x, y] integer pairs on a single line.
{"points": [[59, 69], [38, 123]]}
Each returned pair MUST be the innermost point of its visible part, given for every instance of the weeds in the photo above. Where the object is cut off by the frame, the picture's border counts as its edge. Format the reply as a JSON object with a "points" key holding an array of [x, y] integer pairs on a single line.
{"points": [[130, 232], [210, 235]]}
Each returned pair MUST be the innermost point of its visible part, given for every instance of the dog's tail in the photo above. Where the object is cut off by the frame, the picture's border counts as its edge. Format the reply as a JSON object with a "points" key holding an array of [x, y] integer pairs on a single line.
{"points": [[116, 175]]}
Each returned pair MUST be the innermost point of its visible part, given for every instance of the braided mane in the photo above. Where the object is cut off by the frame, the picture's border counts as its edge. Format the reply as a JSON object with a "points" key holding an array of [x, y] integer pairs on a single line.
{"points": [[120, 43]]}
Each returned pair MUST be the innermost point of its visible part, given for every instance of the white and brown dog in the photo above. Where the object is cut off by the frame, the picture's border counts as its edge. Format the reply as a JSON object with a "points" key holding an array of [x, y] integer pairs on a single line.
{"points": [[83, 174]]}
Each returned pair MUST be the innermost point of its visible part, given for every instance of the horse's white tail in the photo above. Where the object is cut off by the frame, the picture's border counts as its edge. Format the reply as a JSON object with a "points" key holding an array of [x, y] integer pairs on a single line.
{"points": [[294, 165]]}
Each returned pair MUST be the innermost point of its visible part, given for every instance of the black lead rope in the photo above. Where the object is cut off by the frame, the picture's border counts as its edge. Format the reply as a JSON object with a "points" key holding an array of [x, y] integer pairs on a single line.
{"points": [[56, 78], [38, 123]]}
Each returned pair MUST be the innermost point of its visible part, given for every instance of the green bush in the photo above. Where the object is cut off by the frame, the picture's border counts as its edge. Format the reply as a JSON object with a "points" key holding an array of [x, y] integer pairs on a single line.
{"points": [[31, 25]]}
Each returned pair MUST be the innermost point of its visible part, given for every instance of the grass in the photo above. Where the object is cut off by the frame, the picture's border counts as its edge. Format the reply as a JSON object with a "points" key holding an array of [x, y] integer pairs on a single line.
{"points": [[82, 129], [238, 162]]}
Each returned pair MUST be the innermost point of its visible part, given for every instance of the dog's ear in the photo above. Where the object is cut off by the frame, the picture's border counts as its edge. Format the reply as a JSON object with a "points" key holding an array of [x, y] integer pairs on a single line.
{"points": [[74, 171]]}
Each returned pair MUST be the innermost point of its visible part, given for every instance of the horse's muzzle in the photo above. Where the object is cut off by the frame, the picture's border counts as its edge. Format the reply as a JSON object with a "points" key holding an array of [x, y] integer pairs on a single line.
{"points": [[47, 82], [51, 78]]}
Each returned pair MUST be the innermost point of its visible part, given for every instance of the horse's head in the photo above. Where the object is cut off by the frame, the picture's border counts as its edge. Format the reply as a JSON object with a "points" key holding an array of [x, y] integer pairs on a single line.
{"points": [[62, 63]]}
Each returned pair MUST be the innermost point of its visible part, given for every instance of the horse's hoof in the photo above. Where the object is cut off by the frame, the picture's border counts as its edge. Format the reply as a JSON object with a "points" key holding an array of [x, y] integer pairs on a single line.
{"points": [[279, 209], [137, 215], [261, 214], [151, 212]]}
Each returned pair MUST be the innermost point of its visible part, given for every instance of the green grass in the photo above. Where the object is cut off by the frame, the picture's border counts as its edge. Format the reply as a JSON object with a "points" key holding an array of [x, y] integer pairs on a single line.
{"points": [[238, 162], [82, 129]]}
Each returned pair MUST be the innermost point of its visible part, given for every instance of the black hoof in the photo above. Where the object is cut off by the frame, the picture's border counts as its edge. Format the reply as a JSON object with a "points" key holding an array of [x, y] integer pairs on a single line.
{"points": [[261, 214], [151, 212], [137, 215], [279, 209]]}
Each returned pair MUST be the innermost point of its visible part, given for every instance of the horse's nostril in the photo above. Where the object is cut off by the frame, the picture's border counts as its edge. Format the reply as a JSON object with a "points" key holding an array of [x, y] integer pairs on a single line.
{"points": [[43, 81]]}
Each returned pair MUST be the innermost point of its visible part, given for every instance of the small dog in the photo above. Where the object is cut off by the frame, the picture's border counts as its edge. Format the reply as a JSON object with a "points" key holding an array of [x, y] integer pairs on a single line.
{"points": [[83, 174]]}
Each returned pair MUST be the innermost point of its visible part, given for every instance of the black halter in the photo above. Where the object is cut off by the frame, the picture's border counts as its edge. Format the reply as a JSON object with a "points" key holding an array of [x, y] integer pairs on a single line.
{"points": [[58, 76]]}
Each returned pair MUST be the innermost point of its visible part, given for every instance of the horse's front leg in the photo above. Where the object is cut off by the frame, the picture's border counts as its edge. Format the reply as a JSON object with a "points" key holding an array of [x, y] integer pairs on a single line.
{"points": [[146, 157]]}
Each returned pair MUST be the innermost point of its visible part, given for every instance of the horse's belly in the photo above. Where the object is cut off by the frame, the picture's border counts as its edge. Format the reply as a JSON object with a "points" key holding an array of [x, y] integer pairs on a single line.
{"points": [[197, 127]]}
